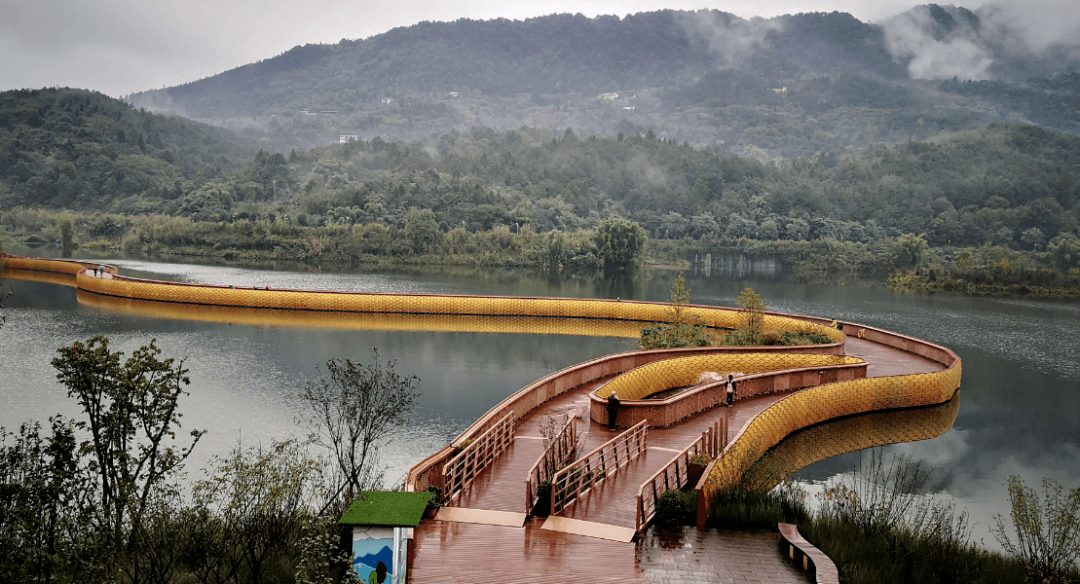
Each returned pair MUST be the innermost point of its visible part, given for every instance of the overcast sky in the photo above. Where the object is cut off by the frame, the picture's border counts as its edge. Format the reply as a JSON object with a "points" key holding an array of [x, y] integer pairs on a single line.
{"points": [[123, 46]]}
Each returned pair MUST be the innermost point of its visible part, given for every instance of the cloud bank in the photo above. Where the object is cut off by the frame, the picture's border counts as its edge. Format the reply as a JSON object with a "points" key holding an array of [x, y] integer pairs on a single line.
{"points": [[1006, 40]]}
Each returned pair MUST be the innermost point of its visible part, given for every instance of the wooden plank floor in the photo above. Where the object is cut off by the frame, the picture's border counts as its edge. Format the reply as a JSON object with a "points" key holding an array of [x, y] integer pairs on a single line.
{"points": [[501, 486], [614, 500], [445, 552]]}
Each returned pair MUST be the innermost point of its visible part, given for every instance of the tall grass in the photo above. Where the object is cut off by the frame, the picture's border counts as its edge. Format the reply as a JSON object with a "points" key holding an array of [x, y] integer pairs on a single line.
{"points": [[877, 528]]}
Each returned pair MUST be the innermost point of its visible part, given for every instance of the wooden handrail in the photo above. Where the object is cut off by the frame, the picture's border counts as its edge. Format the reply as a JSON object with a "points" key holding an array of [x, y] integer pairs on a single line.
{"points": [[598, 465], [559, 452], [675, 474], [464, 467]]}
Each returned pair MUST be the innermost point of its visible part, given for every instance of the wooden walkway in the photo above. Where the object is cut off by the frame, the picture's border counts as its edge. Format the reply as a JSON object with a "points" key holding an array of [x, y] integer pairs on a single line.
{"points": [[457, 552]]}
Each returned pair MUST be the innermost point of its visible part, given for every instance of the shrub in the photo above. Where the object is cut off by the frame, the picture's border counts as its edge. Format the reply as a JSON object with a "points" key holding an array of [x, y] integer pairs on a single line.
{"points": [[1047, 530], [676, 507]]}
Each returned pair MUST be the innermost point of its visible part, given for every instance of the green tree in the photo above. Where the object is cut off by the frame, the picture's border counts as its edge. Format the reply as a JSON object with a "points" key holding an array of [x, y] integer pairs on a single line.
{"points": [[45, 497], [909, 251], [67, 241], [753, 306], [620, 242], [1047, 531], [1065, 251], [421, 228], [680, 331], [132, 417], [260, 499]]}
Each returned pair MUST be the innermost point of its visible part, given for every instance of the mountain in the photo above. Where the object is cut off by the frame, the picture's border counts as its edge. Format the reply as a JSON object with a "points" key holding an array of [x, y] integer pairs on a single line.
{"points": [[79, 149], [787, 86]]}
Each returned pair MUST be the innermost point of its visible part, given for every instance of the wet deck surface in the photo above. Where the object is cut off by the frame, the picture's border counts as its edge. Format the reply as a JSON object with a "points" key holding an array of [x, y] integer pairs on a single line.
{"points": [[463, 552]]}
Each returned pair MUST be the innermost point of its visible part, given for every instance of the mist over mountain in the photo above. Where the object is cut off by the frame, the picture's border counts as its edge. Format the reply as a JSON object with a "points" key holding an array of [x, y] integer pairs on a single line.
{"points": [[782, 87], [1002, 42]]}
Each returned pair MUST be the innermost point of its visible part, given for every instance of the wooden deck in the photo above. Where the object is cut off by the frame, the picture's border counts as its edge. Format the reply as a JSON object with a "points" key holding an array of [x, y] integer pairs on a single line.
{"points": [[446, 552]]}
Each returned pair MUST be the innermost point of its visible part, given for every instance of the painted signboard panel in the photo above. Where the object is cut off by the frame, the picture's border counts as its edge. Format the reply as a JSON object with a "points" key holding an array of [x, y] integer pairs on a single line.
{"points": [[373, 554]]}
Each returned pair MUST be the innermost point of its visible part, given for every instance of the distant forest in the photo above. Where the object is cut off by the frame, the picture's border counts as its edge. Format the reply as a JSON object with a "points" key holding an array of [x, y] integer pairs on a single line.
{"points": [[514, 142], [1011, 185]]}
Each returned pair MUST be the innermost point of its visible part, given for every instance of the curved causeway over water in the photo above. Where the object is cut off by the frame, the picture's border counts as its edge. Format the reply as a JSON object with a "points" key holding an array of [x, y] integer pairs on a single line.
{"points": [[547, 447]]}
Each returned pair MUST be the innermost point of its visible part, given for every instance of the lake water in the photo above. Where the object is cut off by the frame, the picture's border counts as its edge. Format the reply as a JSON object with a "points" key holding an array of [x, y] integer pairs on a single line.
{"points": [[1019, 414]]}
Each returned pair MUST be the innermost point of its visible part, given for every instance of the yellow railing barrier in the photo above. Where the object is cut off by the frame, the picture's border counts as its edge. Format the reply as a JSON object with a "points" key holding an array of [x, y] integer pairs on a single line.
{"points": [[817, 405], [317, 300]]}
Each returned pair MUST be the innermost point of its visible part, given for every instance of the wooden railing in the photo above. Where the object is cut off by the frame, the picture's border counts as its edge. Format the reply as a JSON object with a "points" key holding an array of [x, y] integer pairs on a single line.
{"points": [[476, 456], [559, 452], [589, 470], [676, 474]]}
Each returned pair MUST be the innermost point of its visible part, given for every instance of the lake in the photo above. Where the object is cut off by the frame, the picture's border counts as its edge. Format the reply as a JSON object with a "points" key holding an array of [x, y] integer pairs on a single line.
{"points": [[1019, 413]]}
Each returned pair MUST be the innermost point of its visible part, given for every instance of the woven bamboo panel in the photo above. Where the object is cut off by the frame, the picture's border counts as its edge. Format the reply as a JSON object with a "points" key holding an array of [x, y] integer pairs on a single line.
{"points": [[671, 373], [59, 279], [849, 435], [357, 321], [313, 300], [42, 265], [822, 403]]}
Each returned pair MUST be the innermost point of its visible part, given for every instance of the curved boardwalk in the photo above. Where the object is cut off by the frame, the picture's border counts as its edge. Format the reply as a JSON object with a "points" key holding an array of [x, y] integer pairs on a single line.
{"points": [[459, 552], [456, 551]]}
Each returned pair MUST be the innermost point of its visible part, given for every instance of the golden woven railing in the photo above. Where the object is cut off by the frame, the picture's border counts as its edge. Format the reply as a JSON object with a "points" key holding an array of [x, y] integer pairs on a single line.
{"points": [[116, 286], [673, 373], [849, 434], [800, 410], [819, 404], [477, 456], [597, 466]]}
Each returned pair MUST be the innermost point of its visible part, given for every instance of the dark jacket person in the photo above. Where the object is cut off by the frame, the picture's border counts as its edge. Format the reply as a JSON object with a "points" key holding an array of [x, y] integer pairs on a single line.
{"points": [[612, 410]]}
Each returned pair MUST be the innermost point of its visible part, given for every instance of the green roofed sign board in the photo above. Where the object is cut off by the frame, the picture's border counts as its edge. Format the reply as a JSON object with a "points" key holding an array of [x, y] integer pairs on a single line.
{"points": [[380, 521]]}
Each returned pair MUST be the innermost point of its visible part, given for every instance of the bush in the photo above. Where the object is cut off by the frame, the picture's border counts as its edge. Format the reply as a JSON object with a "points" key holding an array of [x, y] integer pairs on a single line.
{"points": [[1047, 530], [676, 507], [754, 511]]}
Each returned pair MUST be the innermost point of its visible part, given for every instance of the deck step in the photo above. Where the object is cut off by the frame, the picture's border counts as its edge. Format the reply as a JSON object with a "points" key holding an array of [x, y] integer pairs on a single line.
{"points": [[465, 515], [589, 528]]}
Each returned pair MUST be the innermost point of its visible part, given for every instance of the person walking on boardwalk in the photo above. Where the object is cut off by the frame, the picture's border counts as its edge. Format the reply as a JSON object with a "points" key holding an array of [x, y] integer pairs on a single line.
{"points": [[730, 389], [612, 410]]}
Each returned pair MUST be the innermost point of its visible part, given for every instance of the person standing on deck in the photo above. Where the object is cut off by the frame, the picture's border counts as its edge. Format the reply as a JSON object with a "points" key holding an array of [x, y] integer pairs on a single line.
{"points": [[612, 410], [730, 389]]}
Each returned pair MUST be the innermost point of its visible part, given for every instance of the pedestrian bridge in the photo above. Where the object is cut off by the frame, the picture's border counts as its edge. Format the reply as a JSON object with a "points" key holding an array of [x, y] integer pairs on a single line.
{"points": [[541, 449]]}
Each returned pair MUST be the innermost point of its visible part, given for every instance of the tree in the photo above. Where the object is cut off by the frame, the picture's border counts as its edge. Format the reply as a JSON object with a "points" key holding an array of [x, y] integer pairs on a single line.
{"points": [[1065, 251], [1047, 531], [67, 242], [259, 502], [131, 415], [421, 228], [754, 306], [355, 409], [620, 242], [44, 496], [680, 331]]}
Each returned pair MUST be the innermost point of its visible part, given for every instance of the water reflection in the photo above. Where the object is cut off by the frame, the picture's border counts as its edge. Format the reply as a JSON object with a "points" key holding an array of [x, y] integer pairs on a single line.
{"points": [[850, 434], [1021, 388]]}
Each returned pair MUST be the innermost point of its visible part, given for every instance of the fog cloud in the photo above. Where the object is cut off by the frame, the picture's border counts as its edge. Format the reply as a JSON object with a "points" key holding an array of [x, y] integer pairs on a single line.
{"points": [[1008, 40], [729, 37]]}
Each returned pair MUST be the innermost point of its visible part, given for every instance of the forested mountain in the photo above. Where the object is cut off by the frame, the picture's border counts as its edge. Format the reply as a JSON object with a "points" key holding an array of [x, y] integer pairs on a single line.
{"points": [[784, 87], [77, 149]]}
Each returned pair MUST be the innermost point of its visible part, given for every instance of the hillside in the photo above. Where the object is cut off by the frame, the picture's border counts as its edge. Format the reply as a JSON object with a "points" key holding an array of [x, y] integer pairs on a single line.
{"points": [[81, 150], [783, 87]]}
